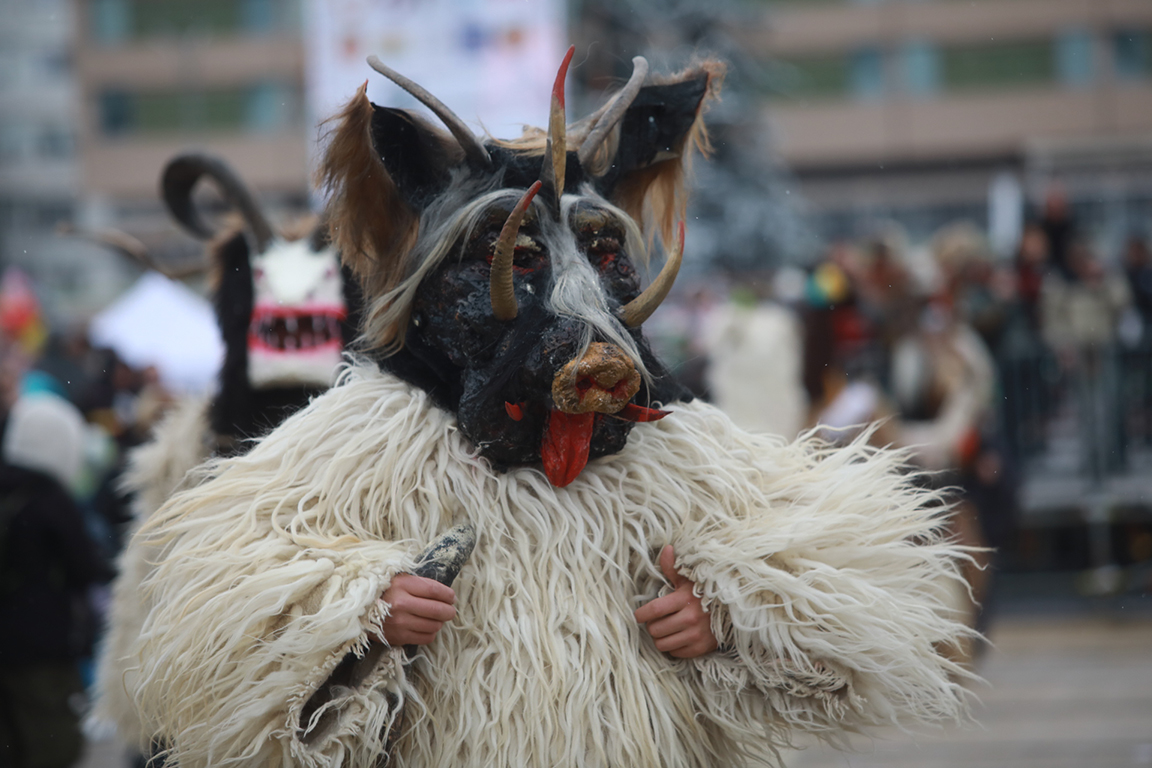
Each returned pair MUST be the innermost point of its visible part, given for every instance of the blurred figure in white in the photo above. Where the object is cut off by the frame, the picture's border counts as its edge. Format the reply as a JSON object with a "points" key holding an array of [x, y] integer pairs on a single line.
{"points": [[755, 352]]}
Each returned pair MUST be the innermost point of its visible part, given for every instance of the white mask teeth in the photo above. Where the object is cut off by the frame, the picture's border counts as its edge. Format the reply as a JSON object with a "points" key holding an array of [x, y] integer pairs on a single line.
{"points": [[297, 332]]}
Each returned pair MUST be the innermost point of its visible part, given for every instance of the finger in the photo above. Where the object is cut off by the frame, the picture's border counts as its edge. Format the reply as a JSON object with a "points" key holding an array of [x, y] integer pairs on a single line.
{"points": [[401, 603], [427, 588], [661, 606], [397, 636], [694, 650], [681, 640], [426, 609], [668, 566], [670, 625], [417, 624]]}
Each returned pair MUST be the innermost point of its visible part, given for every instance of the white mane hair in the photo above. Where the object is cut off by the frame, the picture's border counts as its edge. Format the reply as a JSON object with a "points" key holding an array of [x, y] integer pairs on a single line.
{"points": [[825, 571], [576, 289]]}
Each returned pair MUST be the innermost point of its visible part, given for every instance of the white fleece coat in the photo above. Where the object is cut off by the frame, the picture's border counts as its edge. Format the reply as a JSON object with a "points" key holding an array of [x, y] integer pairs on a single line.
{"points": [[180, 442], [822, 569]]}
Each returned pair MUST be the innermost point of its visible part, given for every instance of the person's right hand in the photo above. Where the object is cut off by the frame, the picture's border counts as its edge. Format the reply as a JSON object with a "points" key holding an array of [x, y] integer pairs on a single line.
{"points": [[419, 607]]}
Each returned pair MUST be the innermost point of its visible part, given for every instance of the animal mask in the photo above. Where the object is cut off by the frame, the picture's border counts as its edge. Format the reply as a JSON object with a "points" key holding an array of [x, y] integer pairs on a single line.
{"points": [[285, 307], [501, 275]]}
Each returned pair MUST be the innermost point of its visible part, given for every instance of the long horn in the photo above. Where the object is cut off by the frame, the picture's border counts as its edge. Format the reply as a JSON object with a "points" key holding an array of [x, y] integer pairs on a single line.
{"points": [[131, 248], [635, 312], [474, 151], [556, 151], [181, 175], [500, 286], [618, 106]]}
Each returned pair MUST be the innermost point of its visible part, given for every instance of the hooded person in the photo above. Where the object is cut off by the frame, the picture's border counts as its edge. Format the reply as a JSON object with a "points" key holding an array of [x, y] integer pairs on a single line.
{"points": [[47, 562], [650, 585]]}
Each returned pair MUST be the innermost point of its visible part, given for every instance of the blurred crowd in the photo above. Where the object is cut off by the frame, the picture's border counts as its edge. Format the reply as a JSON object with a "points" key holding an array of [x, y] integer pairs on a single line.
{"points": [[69, 413], [966, 359]]}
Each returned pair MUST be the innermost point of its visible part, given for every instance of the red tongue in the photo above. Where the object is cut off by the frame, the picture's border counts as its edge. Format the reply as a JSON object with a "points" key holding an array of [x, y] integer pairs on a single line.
{"points": [[567, 437]]}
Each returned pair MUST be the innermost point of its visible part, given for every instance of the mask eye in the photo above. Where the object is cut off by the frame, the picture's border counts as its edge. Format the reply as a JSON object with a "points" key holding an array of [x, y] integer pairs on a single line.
{"points": [[603, 252], [526, 256]]}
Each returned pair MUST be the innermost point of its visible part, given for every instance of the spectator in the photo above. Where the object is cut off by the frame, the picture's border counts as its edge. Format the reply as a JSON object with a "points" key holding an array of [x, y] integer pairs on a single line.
{"points": [[47, 563], [1060, 230], [1082, 312], [1032, 261], [1138, 268]]}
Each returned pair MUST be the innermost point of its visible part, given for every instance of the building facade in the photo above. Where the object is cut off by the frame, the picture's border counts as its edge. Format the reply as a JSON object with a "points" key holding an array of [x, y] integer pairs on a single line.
{"points": [[923, 110], [161, 77]]}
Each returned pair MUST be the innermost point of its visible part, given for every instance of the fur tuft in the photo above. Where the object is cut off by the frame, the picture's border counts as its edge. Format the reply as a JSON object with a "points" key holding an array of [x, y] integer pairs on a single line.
{"points": [[370, 223], [656, 196]]}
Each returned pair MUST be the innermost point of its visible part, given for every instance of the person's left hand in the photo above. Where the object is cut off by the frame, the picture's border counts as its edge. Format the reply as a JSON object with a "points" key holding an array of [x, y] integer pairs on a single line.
{"points": [[677, 621]]}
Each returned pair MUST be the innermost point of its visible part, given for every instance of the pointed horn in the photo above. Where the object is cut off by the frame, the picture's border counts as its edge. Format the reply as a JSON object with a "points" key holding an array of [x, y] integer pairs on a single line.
{"points": [[615, 113], [181, 175], [131, 248], [474, 151], [500, 286], [556, 153], [635, 312]]}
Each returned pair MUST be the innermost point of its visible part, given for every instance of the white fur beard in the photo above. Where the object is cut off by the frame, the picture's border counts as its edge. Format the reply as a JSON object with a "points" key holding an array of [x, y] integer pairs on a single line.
{"points": [[309, 368], [825, 572]]}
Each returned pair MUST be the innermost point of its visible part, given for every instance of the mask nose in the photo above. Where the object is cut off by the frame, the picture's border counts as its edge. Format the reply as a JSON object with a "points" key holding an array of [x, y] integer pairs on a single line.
{"points": [[603, 380]]}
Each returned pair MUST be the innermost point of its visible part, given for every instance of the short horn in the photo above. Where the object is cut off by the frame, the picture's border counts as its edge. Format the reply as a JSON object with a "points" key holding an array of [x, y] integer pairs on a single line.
{"points": [[635, 312], [474, 152], [500, 286], [615, 112], [556, 151], [181, 175]]}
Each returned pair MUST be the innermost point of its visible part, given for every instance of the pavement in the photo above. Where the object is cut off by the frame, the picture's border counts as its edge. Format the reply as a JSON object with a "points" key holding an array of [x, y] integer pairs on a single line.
{"points": [[1064, 690]]}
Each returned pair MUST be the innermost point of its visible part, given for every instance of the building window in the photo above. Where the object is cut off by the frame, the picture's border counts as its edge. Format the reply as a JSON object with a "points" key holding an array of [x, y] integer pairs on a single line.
{"points": [[55, 142], [816, 77], [116, 116], [262, 108], [111, 20], [114, 21], [269, 107], [920, 68], [1132, 54], [867, 77], [1000, 65], [1074, 57]]}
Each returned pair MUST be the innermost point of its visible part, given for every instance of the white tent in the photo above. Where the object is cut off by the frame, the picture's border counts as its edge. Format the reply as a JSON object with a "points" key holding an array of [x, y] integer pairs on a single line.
{"points": [[163, 323]]}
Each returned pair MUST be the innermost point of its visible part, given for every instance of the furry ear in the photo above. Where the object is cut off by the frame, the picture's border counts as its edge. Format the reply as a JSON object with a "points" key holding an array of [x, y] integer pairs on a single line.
{"points": [[381, 167], [641, 167]]}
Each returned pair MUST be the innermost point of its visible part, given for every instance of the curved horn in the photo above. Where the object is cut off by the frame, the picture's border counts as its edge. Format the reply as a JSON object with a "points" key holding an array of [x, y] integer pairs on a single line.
{"points": [[181, 175], [131, 248], [474, 151], [615, 113], [556, 150], [635, 312], [500, 280]]}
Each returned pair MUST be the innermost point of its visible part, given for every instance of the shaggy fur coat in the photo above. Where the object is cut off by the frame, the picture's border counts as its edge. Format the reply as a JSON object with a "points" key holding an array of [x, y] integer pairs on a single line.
{"points": [[180, 442], [823, 571]]}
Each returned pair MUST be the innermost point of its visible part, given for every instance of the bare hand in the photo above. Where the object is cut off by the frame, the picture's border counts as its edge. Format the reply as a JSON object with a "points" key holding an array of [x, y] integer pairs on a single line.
{"points": [[677, 621], [419, 607]]}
